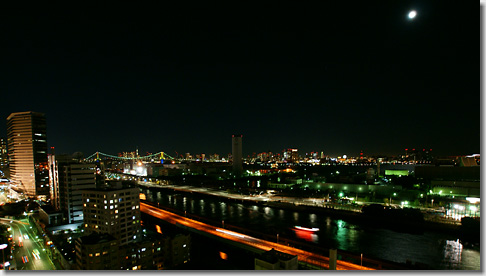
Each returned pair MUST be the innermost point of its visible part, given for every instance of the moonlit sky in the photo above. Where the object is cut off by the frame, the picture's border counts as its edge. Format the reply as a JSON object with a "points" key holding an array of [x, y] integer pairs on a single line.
{"points": [[331, 77]]}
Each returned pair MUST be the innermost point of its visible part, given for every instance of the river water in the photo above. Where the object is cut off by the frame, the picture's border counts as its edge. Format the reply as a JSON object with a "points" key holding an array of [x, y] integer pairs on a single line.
{"points": [[436, 250]]}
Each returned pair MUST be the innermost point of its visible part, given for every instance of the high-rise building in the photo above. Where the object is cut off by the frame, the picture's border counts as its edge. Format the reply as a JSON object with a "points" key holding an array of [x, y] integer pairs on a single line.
{"points": [[67, 178], [75, 178], [3, 153], [237, 154], [54, 181], [115, 211], [27, 149], [291, 155]]}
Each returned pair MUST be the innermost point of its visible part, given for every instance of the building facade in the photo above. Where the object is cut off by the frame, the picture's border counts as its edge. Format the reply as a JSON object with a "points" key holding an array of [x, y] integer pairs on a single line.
{"points": [[237, 154], [276, 260], [3, 153], [115, 211], [27, 150], [97, 252], [73, 179]]}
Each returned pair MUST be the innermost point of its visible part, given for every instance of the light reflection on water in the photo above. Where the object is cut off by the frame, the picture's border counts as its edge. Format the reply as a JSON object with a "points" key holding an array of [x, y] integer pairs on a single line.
{"points": [[307, 236], [223, 208], [452, 253], [312, 218], [438, 251]]}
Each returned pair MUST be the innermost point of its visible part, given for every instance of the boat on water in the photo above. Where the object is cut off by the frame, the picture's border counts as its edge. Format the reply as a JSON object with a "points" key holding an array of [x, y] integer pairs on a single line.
{"points": [[306, 229]]}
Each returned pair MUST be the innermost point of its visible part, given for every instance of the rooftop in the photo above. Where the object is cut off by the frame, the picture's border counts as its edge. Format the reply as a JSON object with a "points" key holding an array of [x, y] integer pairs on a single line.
{"points": [[274, 256], [95, 238]]}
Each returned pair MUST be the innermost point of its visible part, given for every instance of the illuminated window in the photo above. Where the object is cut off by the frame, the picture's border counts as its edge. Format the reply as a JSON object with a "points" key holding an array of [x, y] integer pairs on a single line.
{"points": [[223, 255], [97, 254], [111, 201], [91, 255]]}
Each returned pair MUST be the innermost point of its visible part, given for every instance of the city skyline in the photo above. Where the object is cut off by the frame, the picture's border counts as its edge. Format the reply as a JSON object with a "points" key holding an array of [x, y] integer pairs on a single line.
{"points": [[318, 78]]}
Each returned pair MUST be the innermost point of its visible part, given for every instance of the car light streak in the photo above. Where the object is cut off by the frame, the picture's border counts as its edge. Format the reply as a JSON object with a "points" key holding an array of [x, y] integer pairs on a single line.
{"points": [[230, 233]]}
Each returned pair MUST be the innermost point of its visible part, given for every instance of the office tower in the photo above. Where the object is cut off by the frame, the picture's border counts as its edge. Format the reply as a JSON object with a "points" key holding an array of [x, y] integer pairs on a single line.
{"points": [[237, 154], [3, 153], [54, 181], [27, 149], [67, 178], [73, 179], [115, 211]]}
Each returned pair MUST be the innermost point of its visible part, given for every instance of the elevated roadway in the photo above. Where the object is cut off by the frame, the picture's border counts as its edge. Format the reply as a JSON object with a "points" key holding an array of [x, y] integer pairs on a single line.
{"points": [[303, 256]]}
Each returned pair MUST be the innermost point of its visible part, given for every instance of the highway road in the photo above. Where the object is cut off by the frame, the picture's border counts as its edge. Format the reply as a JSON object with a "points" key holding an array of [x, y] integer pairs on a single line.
{"points": [[28, 252], [304, 256]]}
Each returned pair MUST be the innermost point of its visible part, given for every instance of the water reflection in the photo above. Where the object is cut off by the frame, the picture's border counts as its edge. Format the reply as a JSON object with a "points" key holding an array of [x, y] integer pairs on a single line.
{"points": [[312, 218], [452, 253], [341, 233], [306, 235], [438, 251], [240, 209], [223, 207]]}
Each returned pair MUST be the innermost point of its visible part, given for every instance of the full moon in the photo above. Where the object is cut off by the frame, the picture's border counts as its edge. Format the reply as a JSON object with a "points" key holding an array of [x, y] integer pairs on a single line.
{"points": [[412, 14]]}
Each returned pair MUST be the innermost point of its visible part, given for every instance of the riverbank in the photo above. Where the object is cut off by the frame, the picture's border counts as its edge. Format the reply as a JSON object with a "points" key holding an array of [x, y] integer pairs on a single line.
{"points": [[338, 211]]}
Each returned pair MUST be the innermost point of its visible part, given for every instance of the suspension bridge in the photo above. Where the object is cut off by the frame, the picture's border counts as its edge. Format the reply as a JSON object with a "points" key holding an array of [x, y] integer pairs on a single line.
{"points": [[151, 157]]}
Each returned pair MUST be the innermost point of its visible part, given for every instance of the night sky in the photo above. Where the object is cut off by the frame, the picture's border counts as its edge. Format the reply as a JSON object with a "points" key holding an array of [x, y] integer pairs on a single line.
{"points": [[331, 77]]}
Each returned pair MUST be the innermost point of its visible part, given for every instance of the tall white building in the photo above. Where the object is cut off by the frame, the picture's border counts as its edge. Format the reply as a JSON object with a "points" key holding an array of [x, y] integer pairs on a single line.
{"points": [[237, 154], [115, 211], [27, 149]]}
